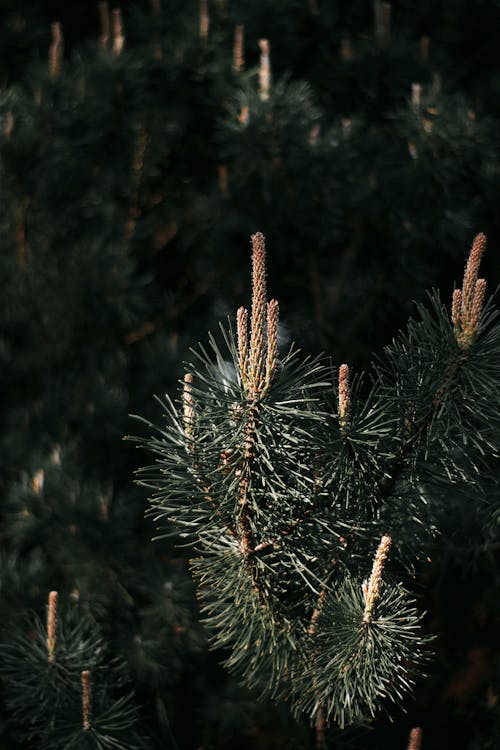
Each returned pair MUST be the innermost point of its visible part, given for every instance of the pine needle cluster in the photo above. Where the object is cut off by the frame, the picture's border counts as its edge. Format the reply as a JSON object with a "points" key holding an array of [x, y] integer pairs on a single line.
{"points": [[62, 688], [288, 484]]}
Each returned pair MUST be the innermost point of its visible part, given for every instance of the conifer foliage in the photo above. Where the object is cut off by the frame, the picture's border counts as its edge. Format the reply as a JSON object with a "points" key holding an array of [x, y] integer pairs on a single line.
{"points": [[63, 690], [132, 163], [288, 484]]}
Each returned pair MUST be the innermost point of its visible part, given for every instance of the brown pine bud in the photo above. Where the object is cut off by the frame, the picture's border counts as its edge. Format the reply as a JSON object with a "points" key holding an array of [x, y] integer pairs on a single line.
{"points": [[344, 396], [272, 340], [55, 456], [204, 19], [223, 178], [477, 305], [118, 38], [56, 49], [155, 7], [189, 414], [239, 48], [52, 627], [471, 274], [258, 314], [416, 94], [372, 589], [244, 115], [456, 307], [86, 701], [264, 70], [105, 24], [415, 739], [38, 481], [364, 588], [472, 295], [242, 338], [9, 125]]}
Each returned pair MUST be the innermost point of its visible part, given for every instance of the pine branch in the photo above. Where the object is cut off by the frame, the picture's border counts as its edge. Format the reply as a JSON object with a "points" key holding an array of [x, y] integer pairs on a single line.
{"points": [[287, 471]]}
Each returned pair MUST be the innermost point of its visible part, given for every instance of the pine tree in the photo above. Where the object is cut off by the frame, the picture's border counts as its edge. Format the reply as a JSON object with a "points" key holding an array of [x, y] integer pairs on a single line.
{"points": [[134, 159], [284, 491], [63, 691]]}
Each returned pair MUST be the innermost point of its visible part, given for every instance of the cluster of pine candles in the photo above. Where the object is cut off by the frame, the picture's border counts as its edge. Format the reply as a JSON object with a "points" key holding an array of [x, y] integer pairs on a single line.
{"points": [[256, 358], [52, 627], [112, 38], [257, 354], [257, 363]]}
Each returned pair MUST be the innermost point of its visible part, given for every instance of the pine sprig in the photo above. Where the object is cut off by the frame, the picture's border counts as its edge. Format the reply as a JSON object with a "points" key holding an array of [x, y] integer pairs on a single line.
{"points": [[42, 671], [284, 482], [357, 666]]}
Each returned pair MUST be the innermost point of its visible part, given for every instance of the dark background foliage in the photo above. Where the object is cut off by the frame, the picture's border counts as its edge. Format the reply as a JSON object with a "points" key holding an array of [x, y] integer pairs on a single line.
{"points": [[112, 264]]}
